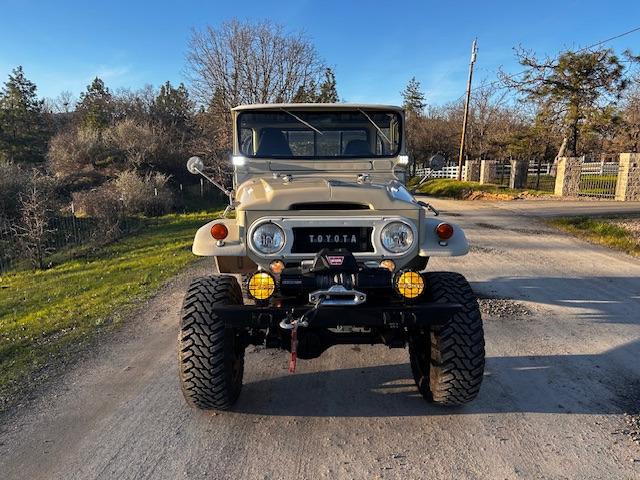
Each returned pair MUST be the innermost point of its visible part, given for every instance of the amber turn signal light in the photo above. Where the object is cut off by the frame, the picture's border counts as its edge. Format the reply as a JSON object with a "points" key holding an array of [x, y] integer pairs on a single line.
{"points": [[276, 266], [388, 264], [444, 231], [219, 231]]}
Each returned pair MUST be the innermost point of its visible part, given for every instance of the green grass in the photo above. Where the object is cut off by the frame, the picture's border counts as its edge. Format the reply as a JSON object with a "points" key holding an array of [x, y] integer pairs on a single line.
{"points": [[46, 314], [599, 231], [450, 188]]}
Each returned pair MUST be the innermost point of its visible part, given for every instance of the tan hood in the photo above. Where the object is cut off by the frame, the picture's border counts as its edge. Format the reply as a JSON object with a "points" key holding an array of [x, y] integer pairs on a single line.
{"points": [[275, 194]]}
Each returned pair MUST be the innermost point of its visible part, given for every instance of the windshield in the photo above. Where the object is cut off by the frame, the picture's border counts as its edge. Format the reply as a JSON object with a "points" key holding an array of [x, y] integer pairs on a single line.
{"points": [[338, 134]]}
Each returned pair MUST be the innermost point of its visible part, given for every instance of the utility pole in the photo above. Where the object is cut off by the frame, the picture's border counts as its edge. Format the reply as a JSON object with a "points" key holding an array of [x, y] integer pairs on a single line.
{"points": [[474, 51]]}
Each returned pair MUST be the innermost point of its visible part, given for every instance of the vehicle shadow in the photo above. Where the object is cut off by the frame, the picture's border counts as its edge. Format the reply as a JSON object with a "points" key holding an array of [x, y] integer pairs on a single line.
{"points": [[602, 299], [568, 384]]}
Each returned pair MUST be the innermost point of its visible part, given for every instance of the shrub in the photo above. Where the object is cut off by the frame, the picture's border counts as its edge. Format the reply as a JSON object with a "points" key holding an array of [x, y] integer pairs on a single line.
{"points": [[74, 154], [137, 142], [129, 194], [13, 181], [148, 195]]}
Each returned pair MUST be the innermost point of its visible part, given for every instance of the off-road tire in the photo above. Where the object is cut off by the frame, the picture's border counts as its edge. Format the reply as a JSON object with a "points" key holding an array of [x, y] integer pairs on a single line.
{"points": [[447, 362], [211, 357]]}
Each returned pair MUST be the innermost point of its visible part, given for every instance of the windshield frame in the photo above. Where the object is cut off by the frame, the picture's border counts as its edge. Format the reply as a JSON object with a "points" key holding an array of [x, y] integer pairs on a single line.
{"points": [[397, 151]]}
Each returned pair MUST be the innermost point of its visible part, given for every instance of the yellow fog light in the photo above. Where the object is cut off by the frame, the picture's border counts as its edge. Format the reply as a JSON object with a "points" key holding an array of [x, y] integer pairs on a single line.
{"points": [[410, 284], [261, 285]]}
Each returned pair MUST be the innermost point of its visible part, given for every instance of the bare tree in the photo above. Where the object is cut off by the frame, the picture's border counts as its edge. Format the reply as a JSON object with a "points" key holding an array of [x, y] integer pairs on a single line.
{"points": [[489, 120], [63, 103], [251, 63], [628, 135], [33, 229]]}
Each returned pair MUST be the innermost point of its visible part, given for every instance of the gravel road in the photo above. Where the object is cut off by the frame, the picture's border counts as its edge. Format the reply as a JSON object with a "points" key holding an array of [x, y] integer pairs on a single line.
{"points": [[563, 341]]}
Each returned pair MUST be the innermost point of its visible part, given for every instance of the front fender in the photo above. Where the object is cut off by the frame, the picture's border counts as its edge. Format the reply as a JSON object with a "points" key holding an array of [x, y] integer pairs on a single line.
{"points": [[205, 245], [430, 243]]}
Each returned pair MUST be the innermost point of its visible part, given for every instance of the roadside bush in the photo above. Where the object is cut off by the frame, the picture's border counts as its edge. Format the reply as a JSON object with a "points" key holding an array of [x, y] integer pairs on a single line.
{"points": [[129, 194], [148, 195], [103, 203]]}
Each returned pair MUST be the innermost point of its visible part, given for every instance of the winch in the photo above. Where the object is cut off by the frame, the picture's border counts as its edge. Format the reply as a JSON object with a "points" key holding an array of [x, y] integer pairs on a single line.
{"points": [[337, 272]]}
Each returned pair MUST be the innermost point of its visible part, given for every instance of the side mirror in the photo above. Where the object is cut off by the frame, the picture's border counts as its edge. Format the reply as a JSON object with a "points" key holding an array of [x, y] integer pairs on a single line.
{"points": [[437, 162], [195, 165]]}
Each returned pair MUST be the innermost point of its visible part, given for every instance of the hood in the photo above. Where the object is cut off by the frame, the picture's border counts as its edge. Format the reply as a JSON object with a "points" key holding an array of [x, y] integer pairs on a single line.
{"points": [[277, 194]]}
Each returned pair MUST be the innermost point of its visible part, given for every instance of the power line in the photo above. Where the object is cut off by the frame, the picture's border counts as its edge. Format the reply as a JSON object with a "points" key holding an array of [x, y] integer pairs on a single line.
{"points": [[588, 47], [609, 39]]}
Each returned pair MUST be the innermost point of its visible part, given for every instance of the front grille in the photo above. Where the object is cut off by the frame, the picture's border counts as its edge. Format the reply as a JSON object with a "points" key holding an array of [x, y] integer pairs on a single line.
{"points": [[329, 206], [314, 239]]}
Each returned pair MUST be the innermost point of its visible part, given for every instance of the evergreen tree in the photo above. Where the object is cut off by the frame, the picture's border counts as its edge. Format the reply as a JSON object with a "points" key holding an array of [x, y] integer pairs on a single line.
{"points": [[328, 92], [307, 93], [96, 106], [414, 99], [23, 132], [172, 107]]}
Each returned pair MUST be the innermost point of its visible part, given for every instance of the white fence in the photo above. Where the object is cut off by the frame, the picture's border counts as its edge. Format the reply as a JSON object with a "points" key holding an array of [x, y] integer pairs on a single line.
{"points": [[450, 171], [598, 175], [600, 168], [503, 167]]}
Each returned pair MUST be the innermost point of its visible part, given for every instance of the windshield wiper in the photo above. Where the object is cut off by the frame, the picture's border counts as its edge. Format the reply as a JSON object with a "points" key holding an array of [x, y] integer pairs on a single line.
{"points": [[302, 121], [377, 127]]}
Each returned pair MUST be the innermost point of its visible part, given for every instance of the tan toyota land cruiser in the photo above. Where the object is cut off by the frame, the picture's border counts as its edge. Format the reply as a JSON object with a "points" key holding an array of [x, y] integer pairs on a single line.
{"points": [[332, 249]]}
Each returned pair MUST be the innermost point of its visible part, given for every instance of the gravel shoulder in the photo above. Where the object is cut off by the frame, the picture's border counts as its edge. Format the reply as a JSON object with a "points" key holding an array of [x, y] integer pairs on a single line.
{"points": [[563, 339], [631, 225]]}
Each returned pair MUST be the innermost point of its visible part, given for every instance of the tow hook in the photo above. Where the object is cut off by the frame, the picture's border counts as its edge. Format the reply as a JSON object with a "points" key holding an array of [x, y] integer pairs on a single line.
{"points": [[290, 323]]}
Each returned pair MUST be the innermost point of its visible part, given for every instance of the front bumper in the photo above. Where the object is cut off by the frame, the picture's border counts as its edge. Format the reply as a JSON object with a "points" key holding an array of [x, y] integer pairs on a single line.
{"points": [[390, 316]]}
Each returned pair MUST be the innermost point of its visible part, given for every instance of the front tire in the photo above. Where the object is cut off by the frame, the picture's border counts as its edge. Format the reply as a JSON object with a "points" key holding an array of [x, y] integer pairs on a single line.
{"points": [[448, 362], [211, 356]]}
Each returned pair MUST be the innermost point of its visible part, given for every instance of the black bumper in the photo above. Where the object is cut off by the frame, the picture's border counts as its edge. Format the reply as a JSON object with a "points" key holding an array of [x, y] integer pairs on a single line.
{"points": [[393, 316]]}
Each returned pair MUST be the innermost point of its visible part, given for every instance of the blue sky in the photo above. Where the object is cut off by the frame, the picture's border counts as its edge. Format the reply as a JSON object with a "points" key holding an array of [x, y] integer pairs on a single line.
{"points": [[374, 47]]}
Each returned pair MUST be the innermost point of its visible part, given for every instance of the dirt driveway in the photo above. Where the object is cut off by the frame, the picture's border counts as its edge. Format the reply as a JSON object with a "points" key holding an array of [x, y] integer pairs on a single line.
{"points": [[562, 322]]}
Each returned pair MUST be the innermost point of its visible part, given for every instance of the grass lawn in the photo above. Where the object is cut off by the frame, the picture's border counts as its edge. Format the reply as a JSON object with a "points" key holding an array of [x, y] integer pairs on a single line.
{"points": [[46, 314], [450, 188], [601, 231]]}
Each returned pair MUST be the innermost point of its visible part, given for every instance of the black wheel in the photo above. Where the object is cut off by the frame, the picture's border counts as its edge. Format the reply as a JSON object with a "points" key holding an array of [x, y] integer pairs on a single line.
{"points": [[448, 362], [244, 285], [211, 356]]}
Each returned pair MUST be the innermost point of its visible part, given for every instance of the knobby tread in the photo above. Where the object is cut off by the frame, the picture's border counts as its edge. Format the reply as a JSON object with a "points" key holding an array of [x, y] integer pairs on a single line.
{"points": [[448, 363], [211, 357]]}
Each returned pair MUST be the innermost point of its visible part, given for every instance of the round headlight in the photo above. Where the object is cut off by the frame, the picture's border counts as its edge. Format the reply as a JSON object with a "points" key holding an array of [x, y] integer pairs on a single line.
{"points": [[397, 237], [268, 238]]}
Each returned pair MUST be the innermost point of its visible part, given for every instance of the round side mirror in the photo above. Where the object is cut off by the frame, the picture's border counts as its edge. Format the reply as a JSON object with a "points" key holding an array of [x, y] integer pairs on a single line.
{"points": [[437, 162], [195, 165]]}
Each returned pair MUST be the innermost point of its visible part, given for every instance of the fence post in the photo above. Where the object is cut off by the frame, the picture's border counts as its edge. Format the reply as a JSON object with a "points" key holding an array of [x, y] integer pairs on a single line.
{"points": [[628, 185], [488, 171], [472, 170], [568, 177], [518, 173]]}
